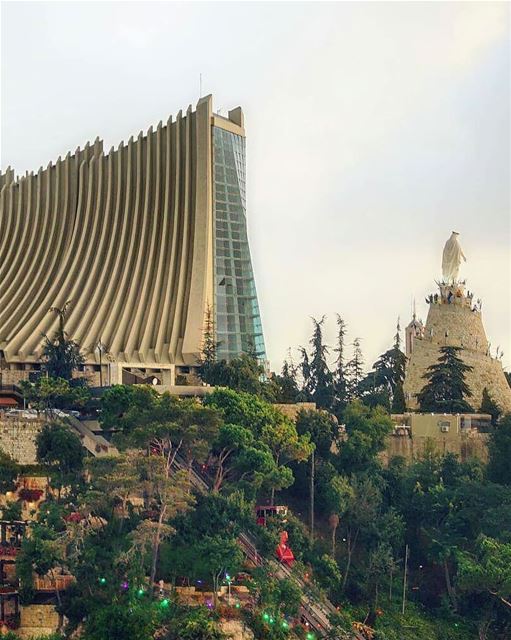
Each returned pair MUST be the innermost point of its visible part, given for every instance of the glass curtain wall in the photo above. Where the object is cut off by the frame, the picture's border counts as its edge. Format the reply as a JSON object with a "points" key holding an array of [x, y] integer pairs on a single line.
{"points": [[238, 321]]}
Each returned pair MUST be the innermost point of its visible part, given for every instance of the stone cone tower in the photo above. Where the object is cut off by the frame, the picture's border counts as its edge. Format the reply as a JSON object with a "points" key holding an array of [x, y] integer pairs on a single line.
{"points": [[454, 319]]}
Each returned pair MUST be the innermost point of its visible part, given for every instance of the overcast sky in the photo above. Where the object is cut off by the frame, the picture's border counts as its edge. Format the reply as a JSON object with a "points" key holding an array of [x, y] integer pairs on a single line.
{"points": [[373, 131]]}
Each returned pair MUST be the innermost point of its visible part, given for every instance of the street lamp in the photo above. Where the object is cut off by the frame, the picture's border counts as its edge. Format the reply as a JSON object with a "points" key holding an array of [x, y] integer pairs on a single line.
{"points": [[229, 580]]}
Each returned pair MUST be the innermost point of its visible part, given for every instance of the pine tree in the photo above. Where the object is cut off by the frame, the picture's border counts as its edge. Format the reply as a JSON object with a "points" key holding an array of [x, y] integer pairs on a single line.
{"points": [[398, 400], [446, 389], [398, 374], [320, 378], [355, 370], [340, 380], [208, 354], [305, 370], [488, 405], [389, 374], [61, 356], [287, 384]]}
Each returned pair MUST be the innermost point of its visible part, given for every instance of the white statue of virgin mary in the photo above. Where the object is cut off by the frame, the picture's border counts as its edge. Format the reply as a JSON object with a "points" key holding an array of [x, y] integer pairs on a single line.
{"points": [[451, 258]]}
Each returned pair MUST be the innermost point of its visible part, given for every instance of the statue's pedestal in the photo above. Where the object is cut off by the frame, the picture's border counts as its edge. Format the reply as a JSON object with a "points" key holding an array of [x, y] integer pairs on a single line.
{"points": [[454, 319]]}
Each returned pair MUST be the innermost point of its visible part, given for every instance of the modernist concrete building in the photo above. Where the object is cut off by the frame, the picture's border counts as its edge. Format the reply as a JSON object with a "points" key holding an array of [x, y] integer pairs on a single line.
{"points": [[140, 240]]}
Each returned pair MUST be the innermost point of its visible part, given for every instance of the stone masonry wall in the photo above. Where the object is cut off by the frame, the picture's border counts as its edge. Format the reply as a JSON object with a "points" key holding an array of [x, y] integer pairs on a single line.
{"points": [[36, 620], [17, 438], [464, 329], [466, 446]]}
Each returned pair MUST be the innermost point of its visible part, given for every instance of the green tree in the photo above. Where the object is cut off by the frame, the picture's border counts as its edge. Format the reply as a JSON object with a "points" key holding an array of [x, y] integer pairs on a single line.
{"points": [[381, 564], [41, 552], [208, 354], [241, 408], [327, 571], [12, 510], [9, 471], [193, 623], [218, 556], [240, 458], [60, 355], [271, 430], [167, 493], [355, 370], [446, 389], [321, 427], [121, 620], [338, 496], [341, 381], [286, 383], [160, 422], [273, 596], [54, 393], [244, 373], [488, 405], [487, 572], [367, 430], [361, 510], [60, 450], [320, 381], [499, 449], [384, 385]]}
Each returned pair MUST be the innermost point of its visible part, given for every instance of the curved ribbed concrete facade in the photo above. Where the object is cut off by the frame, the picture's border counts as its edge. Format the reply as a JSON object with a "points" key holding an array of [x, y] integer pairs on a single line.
{"points": [[126, 236]]}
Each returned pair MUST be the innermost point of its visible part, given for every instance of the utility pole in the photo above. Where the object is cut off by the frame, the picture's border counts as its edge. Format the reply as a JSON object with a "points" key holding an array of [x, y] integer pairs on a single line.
{"points": [[404, 579], [312, 497]]}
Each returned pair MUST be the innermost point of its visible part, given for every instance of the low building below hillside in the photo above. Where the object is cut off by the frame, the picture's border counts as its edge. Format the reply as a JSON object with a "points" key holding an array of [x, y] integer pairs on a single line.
{"points": [[465, 435]]}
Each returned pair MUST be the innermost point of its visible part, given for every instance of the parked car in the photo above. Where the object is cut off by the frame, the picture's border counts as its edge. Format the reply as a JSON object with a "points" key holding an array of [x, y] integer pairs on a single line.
{"points": [[53, 413], [22, 414]]}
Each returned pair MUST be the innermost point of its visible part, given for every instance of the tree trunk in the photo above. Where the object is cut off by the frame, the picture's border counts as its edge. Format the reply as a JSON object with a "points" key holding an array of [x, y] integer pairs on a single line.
{"points": [[348, 563], [57, 592], [334, 523], [450, 588], [156, 547], [219, 476]]}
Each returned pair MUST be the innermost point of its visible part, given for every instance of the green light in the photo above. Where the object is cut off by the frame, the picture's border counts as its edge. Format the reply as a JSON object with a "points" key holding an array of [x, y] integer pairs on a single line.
{"points": [[310, 636], [272, 620], [102, 581], [140, 592], [285, 625], [237, 605], [164, 603], [266, 617]]}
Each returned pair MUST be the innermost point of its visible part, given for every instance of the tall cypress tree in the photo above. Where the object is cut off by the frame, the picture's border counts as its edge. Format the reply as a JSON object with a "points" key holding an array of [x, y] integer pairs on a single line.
{"points": [[355, 370], [340, 380], [446, 389], [398, 359], [287, 384], [208, 354], [320, 379]]}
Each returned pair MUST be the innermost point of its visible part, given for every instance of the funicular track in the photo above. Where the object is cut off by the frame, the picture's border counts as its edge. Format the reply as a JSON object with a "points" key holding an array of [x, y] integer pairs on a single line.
{"points": [[314, 611]]}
